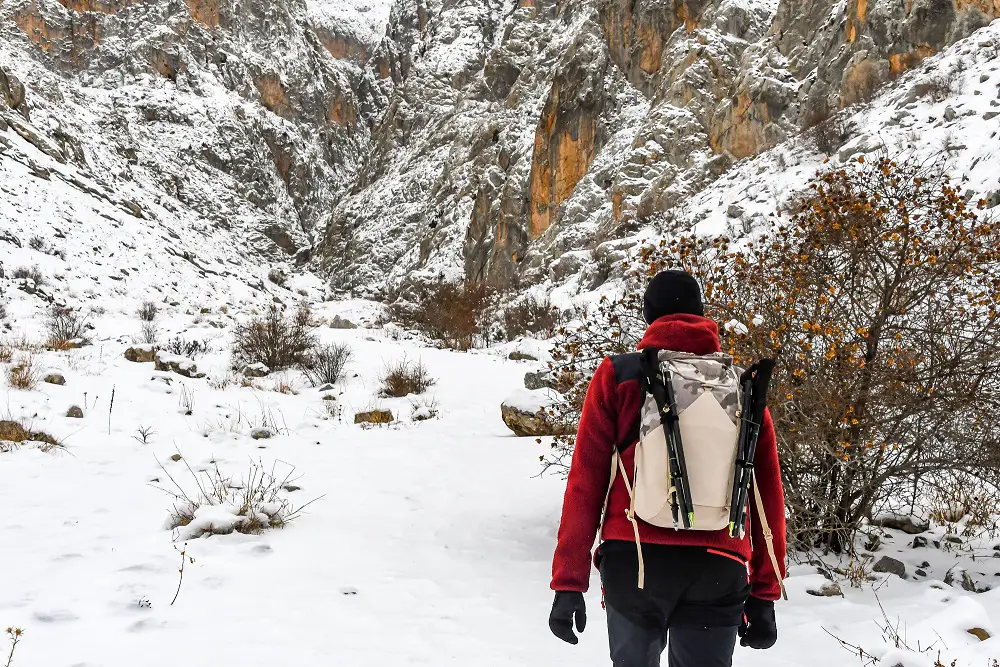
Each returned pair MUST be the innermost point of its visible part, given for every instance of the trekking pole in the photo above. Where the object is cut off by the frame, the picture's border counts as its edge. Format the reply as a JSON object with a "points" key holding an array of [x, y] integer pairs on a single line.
{"points": [[742, 459], [678, 464], [759, 380]]}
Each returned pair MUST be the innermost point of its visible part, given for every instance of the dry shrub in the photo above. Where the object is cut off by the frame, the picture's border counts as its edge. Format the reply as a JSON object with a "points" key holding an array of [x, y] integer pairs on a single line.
{"points": [[189, 349], [6, 352], [880, 297], [374, 417], [530, 316], [147, 312], [937, 87], [33, 275], [327, 364], [23, 374], [405, 377], [256, 501], [450, 312], [64, 324], [274, 340], [18, 432]]}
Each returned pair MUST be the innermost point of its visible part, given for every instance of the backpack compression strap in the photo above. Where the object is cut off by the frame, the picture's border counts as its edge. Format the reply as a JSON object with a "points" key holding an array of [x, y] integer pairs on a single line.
{"points": [[768, 537]]}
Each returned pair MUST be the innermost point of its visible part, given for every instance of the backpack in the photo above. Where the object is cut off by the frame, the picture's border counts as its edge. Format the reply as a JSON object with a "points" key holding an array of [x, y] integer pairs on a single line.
{"points": [[690, 431]]}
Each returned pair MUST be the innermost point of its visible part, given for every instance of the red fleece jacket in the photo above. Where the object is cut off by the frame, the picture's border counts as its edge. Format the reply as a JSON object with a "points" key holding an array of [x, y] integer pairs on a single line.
{"points": [[609, 414]]}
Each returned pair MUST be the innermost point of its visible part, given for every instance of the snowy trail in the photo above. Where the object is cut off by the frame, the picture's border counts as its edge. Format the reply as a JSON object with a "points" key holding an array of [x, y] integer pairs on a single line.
{"points": [[431, 545]]}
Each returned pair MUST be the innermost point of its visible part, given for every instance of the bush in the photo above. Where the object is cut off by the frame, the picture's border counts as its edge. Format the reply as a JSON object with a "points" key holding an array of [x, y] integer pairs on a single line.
{"points": [[36, 243], [33, 275], [23, 374], [327, 363], [189, 349], [878, 296], [274, 340], [277, 276], [404, 378], [223, 504], [938, 87], [449, 312], [147, 312], [529, 316], [148, 333], [64, 325]]}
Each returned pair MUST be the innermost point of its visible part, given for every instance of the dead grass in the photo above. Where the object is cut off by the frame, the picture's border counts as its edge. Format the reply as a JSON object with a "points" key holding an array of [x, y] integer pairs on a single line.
{"points": [[13, 431], [404, 378], [23, 374], [374, 416]]}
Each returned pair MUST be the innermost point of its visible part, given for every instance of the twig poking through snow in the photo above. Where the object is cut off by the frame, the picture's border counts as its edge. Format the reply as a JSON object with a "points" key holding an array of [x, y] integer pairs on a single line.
{"points": [[184, 559]]}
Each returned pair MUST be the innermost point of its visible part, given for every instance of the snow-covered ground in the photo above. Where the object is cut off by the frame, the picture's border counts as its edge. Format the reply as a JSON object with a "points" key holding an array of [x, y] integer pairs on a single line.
{"points": [[429, 544]]}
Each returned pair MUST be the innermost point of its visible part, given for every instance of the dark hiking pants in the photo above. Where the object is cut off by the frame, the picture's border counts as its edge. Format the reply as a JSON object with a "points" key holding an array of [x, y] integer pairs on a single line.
{"points": [[691, 604]]}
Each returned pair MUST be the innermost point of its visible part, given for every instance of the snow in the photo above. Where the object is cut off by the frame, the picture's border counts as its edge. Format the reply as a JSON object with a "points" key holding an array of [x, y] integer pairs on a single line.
{"points": [[531, 400], [429, 542]]}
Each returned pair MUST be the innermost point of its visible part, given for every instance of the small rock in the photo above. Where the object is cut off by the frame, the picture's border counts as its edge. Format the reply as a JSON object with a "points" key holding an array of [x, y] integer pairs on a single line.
{"points": [[540, 380], [921, 573], [141, 354], [257, 370], [329, 397], [890, 565], [735, 211], [326, 387], [374, 417], [55, 378], [76, 412], [958, 575], [979, 633], [291, 488], [828, 590], [908, 524], [175, 457], [920, 542], [339, 322], [950, 114], [990, 115], [521, 356], [261, 433], [954, 539], [925, 564]]}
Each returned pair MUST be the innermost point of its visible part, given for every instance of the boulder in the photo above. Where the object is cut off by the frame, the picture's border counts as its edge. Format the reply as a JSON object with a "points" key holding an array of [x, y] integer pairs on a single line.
{"points": [[257, 370], [55, 378], [920, 542], [950, 114], [75, 412], [338, 322], [521, 356], [908, 524], [526, 413], [890, 565], [735, 211], [174, 363], [540, 380], [141, 354]]}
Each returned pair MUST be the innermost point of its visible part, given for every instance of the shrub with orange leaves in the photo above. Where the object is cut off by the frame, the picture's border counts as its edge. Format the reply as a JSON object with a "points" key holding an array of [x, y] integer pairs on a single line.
{"points": [[878, 291]]}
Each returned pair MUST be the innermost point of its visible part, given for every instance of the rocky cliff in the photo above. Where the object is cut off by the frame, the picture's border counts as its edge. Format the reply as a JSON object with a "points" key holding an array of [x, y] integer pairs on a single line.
{"points": [[502, 140]]}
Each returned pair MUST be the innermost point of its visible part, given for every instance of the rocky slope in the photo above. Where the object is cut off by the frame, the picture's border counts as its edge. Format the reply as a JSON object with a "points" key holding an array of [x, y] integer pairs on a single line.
{"points": [[401, 140], [517, 133]]}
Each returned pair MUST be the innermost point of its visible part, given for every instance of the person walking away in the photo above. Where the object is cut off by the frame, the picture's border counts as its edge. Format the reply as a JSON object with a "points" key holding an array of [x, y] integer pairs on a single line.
{"points": [[697, 590]]}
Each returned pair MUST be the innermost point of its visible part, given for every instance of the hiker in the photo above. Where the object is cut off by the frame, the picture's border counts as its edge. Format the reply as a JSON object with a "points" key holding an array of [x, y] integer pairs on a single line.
{"points": [[696, 591]]}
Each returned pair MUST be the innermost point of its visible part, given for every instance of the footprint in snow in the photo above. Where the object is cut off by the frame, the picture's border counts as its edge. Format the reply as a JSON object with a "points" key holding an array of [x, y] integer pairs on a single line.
{"points": [[349, 590], [55, 616]]}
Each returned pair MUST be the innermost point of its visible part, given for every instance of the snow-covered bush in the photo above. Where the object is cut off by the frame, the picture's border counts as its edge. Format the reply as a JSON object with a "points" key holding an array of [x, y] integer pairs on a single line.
{"points": [[327, 364], [879, 297], [274, 340], [219, 504], [147, 312], [405, 377], [183, 347], [14, 432], [32, 275]]}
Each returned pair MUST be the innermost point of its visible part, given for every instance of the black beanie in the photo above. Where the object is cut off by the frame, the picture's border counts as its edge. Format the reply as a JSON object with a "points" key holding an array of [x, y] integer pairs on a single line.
{"points": [[671, 293]]}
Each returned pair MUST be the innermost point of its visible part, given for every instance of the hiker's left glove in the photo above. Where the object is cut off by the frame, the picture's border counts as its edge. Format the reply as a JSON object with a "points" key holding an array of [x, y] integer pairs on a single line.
{"points": [[566, 606], [759, 629]]}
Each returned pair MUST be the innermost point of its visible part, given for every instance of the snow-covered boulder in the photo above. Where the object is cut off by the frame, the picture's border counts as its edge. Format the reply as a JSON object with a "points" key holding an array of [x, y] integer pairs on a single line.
{"points": [[525, 412], [177, 364], [141, 354]]}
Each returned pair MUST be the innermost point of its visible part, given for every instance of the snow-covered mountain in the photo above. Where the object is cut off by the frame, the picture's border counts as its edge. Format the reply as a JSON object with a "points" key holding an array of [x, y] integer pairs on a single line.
{"points": [[383, 141]]}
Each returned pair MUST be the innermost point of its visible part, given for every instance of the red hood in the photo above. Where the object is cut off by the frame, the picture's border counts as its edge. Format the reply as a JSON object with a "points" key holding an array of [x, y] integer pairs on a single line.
{"points": [[683, 333]]}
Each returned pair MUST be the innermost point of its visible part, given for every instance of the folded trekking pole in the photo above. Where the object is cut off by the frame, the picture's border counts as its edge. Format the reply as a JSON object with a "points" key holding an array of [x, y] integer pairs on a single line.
{"points": [[661, 387], [755, 383]]}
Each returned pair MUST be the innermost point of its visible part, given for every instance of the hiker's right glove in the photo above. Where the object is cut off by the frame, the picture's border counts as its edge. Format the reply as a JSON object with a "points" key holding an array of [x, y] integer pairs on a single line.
{"points": [[566, 606], [759, 629]]}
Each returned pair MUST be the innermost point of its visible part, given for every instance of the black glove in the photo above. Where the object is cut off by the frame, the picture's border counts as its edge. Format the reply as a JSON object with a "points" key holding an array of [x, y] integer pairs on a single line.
{"points": [[759, 629], [564, 607]]}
